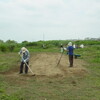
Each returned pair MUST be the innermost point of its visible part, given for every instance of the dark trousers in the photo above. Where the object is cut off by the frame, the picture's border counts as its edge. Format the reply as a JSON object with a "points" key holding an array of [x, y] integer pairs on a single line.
{"points": [[71, 60], [26, 67]]}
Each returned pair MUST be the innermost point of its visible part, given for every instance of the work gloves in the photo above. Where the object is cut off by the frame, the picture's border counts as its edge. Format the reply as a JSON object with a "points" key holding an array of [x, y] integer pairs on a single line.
{"points": [[24, 61], [64, 49]]}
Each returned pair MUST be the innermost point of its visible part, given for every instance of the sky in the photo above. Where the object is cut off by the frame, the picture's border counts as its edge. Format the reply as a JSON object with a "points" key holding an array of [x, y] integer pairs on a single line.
{"points": [[34, 20]]}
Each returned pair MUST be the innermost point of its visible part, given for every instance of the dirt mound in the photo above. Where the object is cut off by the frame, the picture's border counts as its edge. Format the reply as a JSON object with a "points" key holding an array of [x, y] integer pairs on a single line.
{"points": [[46, 64]]}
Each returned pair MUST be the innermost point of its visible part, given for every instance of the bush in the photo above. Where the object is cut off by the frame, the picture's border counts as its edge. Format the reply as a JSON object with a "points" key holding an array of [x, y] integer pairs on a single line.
{"points": [[3, 47], [31, 44], [11, 47]]}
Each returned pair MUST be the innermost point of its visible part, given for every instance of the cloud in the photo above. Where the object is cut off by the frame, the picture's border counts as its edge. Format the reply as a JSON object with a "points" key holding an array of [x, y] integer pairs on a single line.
{"points": [[55, 16]]}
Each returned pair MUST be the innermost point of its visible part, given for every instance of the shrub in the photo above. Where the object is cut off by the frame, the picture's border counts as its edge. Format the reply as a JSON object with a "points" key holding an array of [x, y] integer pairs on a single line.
{"points": [[3, 47], [11, 47]]}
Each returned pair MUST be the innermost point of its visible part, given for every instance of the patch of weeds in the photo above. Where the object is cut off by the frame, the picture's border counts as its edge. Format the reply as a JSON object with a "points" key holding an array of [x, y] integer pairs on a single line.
{"points": [[5, 96]]}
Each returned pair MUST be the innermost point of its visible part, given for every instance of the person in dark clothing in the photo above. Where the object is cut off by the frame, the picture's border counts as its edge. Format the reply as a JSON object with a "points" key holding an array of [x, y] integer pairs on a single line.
{"points": [[24, 59], [70, 50]]}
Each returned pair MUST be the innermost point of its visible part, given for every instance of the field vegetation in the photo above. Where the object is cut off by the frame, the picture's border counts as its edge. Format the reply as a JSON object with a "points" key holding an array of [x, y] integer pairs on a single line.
{"points": [[27, 87]]}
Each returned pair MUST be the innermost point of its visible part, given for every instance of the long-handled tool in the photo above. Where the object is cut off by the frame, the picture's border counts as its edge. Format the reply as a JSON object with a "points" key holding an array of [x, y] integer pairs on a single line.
{"points": [[29, 69], [60, 58]]}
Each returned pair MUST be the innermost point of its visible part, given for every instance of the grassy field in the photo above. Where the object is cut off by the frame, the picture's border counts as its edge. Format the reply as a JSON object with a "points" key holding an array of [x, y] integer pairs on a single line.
{"points": [[84, 87]]}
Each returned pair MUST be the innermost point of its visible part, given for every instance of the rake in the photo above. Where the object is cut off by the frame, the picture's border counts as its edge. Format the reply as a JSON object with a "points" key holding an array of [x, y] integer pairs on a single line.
{"points": [[60, 58], [29, 69]]}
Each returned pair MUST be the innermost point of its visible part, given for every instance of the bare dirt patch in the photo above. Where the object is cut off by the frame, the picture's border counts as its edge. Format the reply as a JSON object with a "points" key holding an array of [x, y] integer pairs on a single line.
{"points": [[46, 64]]}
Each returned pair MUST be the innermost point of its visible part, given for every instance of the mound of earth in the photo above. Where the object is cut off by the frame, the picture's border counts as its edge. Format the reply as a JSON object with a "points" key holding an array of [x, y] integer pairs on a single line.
{"points": [[46, 64]]}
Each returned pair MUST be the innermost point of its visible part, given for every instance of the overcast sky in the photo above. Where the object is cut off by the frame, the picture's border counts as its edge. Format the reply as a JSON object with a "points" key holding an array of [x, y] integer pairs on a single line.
{"points": [[32, 20]]}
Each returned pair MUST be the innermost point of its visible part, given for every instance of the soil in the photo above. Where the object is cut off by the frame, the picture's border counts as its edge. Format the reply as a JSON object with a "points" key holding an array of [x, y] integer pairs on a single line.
{"points": [[46, 64]]}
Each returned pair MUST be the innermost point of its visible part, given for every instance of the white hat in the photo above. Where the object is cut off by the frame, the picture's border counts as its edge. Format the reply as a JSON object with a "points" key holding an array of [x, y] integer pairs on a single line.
{"points": [[23, 49], [70, 44]]}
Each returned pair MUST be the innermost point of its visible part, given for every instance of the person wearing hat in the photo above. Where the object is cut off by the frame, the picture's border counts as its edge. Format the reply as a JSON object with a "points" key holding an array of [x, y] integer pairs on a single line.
{"points": [[61, 48], [24, 59], [70, 50]]}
